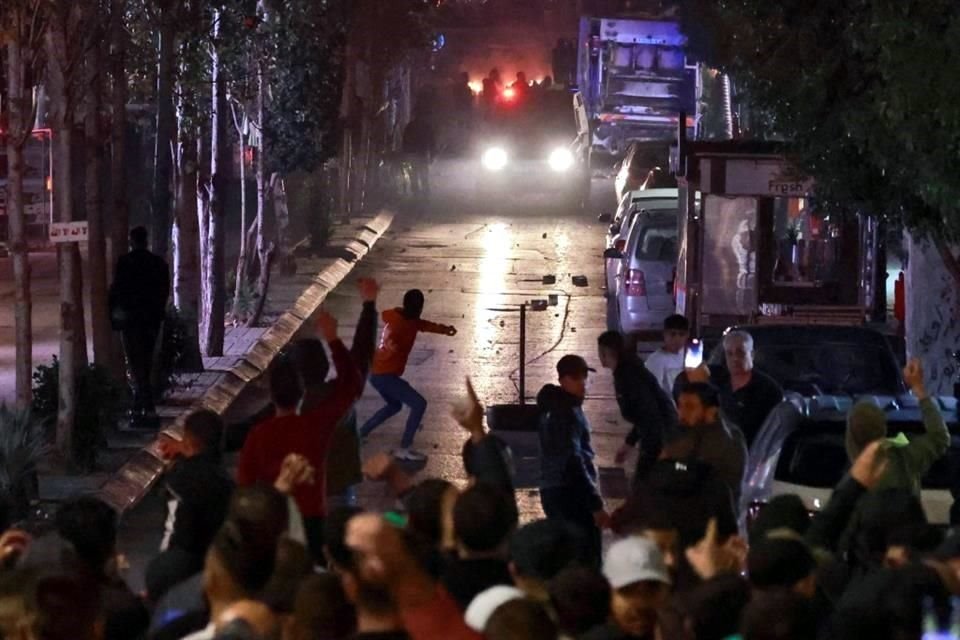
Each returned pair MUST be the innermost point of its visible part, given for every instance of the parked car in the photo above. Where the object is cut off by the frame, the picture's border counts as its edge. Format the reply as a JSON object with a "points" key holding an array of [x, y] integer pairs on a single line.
{"points": [[630, 206], [639, 171], [645, 270], [824, 371]]}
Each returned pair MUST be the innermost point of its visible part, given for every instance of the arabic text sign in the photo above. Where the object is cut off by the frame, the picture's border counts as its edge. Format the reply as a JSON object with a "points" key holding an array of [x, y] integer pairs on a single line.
{"points": [[68, 232]]}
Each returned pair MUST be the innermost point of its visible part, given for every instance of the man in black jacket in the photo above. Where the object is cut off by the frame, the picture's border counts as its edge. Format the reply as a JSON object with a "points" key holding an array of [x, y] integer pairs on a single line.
{"points": [[642, 403], [138, 304]]}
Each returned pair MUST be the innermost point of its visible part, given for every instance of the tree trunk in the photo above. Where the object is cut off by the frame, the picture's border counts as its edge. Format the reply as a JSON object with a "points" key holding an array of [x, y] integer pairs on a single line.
{"points": [[59, 58], [933, 310], [97, 244], [186, 247], [241, 273], [264, 252], [20, 251], [162, 161], [117, 212], [214, 293]]}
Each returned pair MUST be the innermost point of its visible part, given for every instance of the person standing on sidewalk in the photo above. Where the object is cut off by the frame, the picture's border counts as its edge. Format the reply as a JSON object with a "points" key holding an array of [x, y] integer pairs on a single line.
{"points": [[569, 487], [400, 328], [642, 403], [138, 305], [419, 145]]}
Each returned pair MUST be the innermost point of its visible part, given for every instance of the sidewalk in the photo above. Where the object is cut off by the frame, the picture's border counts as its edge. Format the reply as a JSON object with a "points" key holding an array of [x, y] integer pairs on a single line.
{"points": [[247, 354]]}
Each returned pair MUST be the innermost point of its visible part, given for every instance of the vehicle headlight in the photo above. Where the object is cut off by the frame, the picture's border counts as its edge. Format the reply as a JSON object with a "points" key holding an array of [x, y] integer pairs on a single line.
{"points": [[560, 159], [494, 159]]}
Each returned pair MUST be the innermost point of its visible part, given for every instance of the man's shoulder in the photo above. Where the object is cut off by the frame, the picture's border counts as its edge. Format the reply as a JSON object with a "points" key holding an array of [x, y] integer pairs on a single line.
{"points": [[766, 382]]}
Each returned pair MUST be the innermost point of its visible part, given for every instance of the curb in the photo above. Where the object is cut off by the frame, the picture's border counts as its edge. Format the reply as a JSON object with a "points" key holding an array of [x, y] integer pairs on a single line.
{"points": [[134, 480]]}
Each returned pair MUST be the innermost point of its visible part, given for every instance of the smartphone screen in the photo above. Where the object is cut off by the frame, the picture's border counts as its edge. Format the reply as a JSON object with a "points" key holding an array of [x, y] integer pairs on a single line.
{"points": [[693, 357]]}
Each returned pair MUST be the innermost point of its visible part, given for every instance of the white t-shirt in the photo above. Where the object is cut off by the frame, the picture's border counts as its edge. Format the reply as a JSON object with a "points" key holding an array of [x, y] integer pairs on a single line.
{"points": [[665, 367]]}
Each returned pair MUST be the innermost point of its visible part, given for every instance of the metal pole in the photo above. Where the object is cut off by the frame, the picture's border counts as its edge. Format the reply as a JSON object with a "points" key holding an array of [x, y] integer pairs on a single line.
{"points": [[523, 354]]}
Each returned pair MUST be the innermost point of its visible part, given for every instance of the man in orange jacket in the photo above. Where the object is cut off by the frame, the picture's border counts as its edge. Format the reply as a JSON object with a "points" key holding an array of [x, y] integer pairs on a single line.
{"points": [[400, 328]]}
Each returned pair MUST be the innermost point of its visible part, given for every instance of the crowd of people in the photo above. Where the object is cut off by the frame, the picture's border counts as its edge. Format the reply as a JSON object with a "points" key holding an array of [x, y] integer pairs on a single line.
{"points": [[280, 549]]}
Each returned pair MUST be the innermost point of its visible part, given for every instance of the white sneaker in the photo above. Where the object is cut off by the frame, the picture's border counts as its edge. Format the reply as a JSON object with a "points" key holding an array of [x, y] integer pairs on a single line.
{"points": [[409, 455]]}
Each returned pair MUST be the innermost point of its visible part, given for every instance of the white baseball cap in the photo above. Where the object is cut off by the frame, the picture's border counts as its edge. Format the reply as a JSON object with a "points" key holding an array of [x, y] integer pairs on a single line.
{"points": [[634, 559], [485, 603]]}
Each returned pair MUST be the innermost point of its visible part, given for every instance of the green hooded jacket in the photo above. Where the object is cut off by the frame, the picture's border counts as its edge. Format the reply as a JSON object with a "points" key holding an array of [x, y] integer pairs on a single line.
{"points": [[909, 459]]}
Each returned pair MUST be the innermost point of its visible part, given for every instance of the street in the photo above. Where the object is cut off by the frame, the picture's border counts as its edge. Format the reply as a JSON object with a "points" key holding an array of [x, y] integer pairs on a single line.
{"points": [[475, 270]]}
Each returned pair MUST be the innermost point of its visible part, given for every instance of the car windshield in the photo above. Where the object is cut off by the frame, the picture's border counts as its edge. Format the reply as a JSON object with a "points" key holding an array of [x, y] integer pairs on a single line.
{"points": [[658, 240], [830, 368]]}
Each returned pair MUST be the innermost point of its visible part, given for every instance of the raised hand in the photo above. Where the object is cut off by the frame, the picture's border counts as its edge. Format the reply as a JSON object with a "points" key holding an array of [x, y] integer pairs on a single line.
{"points": [[913, 376], [469, 412], [327, 326], [294, 472], [369, 289], [870, 465]]}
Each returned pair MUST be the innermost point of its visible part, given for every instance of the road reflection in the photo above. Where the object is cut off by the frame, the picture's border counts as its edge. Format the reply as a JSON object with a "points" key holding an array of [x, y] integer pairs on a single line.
{"points": [[494, 266]]}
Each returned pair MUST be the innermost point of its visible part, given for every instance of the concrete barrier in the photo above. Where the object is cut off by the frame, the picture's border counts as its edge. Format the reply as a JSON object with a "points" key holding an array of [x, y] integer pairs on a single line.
{"points": [[134, 480]]}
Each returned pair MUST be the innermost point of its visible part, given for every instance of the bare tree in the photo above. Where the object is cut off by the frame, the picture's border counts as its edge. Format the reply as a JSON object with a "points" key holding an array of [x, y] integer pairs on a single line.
{"points": [[22, 21], [240, 124], [214, 286]]}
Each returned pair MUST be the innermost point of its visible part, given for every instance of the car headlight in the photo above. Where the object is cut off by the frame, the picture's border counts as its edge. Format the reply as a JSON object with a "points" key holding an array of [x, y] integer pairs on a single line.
{"points": [[494, 159], [560, 159]]}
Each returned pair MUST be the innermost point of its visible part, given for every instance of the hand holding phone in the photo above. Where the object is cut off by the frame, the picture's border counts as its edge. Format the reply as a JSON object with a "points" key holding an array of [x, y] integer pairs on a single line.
{"points": [[693, 355]]}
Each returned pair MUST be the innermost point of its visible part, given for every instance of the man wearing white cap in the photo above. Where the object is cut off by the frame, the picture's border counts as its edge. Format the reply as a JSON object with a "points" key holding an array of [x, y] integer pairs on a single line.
{"points": [[638, 576]]}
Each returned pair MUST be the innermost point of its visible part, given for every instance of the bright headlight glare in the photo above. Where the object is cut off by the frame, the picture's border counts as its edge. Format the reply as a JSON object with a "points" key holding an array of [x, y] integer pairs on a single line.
{"points": [[560, 159], [494, 159]]}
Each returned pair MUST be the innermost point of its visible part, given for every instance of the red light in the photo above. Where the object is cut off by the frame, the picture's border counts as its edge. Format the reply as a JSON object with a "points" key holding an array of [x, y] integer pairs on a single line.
{"points": [[636, 283], [509, 93]]}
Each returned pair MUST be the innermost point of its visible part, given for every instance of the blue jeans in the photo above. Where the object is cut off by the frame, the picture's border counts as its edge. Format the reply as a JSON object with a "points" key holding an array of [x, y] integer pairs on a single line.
{"points": [[397, 392]]}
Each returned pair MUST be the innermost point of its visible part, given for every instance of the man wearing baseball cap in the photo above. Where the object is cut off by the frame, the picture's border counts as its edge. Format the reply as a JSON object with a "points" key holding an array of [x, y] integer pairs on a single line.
{"points": [[638, 577], [568, 483]]}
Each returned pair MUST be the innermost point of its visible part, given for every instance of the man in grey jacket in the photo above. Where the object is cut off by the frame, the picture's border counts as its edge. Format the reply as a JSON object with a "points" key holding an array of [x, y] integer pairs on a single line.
{"points": [[703, 436]]}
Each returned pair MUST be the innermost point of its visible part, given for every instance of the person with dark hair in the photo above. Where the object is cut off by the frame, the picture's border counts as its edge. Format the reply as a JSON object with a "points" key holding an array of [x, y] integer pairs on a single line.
{"points": [[712, 609], [704, 437], [419, 147], [343, 468], [307, 435], [642, 402], [138, 306], [376, 612], [569, 488], [780, 614], [486, 458], [782, 560], [198, 490], [540, 550], [520, 619], [292, 566], [321, 611], [430, 506], [785, 511], [238, 566], [400, 329], [666, 363], [90, 526], [248, 620], [580, 596], [483, 519]]}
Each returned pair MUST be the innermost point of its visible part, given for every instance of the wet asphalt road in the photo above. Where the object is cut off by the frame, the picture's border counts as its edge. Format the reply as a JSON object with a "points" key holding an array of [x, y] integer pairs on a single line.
{"points": [[476, 262]]}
